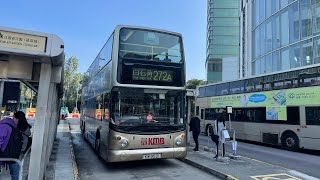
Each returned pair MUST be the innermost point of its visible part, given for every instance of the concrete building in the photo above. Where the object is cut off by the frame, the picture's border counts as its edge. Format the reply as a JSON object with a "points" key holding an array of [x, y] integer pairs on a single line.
{"points": [[222, 40], [278, 35]]}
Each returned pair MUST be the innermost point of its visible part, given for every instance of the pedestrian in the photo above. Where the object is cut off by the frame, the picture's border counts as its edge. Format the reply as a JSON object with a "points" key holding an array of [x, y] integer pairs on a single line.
{"points": [[10, 144], [220, 126], [25, 130], [195, 128]]}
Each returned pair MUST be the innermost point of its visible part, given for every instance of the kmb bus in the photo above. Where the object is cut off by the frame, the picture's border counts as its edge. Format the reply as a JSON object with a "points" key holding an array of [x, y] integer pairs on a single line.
{"points": [[133, 104], [281, 109]]}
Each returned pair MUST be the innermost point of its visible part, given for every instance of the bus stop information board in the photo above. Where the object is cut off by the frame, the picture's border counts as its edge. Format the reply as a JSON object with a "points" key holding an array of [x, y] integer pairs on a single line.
{"points": [[22, 41], [274, 101]]}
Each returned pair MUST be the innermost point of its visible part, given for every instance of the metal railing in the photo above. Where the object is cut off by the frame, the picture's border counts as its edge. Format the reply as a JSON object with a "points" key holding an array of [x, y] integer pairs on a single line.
{"points": [[19, 161]]}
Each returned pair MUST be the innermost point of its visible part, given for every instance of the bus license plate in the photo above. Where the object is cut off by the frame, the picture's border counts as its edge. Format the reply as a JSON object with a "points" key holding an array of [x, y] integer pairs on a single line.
{"points": [[151, 156]]}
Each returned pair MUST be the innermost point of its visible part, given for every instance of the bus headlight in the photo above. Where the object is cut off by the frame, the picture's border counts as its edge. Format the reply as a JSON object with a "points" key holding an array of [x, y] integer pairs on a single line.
{"points": [[124, 143], [178, 141]]}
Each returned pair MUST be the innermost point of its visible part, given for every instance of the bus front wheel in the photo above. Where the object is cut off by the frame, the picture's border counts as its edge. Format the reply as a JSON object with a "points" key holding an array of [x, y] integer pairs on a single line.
{"points": [[290, 141]]}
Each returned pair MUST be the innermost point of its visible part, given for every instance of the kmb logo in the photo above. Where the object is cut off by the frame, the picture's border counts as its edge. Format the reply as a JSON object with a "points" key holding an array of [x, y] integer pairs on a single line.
{"points": [[152, 141]]}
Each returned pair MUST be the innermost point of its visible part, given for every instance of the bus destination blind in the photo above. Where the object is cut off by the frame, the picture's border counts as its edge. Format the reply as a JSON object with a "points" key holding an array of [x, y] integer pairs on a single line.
{"points": [[152, 75]]}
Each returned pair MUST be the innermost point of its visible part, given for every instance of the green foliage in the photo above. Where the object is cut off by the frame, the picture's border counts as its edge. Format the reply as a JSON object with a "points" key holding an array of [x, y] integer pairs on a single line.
{"points": [[193, 83], [72, 83]]}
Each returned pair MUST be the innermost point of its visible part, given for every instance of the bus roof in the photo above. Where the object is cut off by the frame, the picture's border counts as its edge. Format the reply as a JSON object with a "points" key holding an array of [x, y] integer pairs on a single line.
{"points": [[263, 75]]}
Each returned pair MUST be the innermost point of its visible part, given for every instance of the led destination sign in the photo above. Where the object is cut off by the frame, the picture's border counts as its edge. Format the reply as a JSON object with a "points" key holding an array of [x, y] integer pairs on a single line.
{"points": [[152, 75]]}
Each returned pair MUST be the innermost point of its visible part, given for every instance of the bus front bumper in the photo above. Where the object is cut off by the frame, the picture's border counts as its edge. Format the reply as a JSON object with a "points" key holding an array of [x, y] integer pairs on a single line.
{"points": [[143, 154]]}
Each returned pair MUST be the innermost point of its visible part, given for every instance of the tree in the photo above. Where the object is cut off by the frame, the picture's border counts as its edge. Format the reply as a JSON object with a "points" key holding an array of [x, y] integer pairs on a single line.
{"points": [[193, 83], [72, 83]]}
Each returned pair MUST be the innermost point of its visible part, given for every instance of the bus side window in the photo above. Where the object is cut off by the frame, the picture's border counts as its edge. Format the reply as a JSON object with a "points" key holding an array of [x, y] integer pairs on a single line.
{"points": [[197, 111]]}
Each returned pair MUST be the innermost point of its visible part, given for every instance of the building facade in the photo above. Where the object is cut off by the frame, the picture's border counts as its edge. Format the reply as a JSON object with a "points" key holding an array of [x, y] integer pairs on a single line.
{"points": [[222, 40], [278, 35]]}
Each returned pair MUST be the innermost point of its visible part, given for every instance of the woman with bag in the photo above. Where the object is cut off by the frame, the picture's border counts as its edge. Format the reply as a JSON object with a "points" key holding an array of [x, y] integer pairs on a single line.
{"points": [[219, 128], [25, 130]]}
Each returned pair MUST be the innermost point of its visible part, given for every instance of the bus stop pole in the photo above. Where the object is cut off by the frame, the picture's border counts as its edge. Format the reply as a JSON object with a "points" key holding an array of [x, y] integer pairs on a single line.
{"points": [[1, 96], [188, 119]]}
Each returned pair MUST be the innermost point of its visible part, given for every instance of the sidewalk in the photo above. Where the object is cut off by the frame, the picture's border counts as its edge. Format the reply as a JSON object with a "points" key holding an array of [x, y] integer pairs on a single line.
{"points": [[240, 168], [62, 164]]}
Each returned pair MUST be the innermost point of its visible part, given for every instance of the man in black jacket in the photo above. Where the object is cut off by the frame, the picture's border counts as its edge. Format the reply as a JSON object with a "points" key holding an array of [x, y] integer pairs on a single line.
{"points": [[195, 128]]}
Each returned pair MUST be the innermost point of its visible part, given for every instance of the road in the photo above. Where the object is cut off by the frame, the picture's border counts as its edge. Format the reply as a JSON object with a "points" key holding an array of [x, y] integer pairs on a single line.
{"points": [[91, 167], [306, 163]]}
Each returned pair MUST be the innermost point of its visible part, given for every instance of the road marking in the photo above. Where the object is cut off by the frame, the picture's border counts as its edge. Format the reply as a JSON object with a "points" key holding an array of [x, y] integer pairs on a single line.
{"points": [[304, 176], [281, 176]]}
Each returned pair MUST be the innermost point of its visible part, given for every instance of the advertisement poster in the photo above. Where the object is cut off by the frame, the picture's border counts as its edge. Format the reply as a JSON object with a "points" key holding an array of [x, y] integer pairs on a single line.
{"points": [[275, 101], [276, 113]]}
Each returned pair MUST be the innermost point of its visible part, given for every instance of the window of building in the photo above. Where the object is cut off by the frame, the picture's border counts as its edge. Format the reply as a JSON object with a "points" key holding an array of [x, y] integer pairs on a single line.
{"points": [[313, 115], [316, 16], [294, 22], [256, 42], [262, 38], [305, 18], [263, 65], [268, 39], [268, 8], [255, 13], [276, 65], [295, 59], [275, 6], [283, 3], [276, 32], [262, 6], [306, 52], [258, 65], [316, 50], [253, 70], [269, 63], [285, 64], [284, 22]]}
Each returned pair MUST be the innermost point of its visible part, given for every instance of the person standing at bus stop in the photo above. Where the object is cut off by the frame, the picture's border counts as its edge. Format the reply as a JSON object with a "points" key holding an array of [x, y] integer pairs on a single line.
{"points": [[195, 128], [10, 144]]}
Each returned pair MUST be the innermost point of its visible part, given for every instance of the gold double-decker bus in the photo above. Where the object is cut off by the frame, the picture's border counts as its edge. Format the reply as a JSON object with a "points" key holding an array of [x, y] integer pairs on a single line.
{"points": [[133, 103]]}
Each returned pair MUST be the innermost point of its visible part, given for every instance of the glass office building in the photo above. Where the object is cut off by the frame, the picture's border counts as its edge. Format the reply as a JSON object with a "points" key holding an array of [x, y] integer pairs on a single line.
{"points": [[284, 34], [222, 40]]}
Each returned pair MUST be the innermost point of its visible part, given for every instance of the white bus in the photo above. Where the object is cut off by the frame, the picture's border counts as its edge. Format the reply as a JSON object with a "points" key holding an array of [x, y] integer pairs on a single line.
{"points": [[133, 105], [281, 109]]}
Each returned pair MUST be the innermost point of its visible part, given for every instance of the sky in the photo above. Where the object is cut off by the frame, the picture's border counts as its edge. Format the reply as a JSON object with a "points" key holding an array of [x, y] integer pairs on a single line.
{"points": [[85, 25]]}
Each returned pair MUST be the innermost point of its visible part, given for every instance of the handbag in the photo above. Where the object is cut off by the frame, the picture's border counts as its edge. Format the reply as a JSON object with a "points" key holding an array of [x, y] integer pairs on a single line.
{"points": [[225, 134], [215, 138]]}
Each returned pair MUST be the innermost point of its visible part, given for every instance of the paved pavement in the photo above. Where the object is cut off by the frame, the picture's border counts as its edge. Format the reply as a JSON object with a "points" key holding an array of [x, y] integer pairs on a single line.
{"points": [[62, 165], [307, 162]]}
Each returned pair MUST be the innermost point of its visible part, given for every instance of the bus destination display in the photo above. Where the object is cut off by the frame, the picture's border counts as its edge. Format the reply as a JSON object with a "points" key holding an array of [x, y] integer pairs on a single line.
{"points": [[152, 75]]}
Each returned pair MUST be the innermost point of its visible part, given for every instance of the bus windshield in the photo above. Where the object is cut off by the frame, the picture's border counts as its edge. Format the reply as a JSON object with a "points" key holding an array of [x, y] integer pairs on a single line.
{"points": [[147, 107], [149, 45]]}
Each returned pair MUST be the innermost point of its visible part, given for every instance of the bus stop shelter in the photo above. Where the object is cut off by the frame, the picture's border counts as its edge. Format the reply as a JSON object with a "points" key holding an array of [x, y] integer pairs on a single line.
{"points": [[36, 59]]}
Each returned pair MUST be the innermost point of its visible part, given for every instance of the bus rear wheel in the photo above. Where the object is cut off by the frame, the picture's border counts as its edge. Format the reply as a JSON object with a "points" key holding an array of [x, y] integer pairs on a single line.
{"points": [[290, 141]]}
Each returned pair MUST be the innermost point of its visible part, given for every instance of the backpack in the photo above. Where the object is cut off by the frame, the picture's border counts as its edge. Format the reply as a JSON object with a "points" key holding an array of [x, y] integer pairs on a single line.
{"points": [[14, 145]]}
